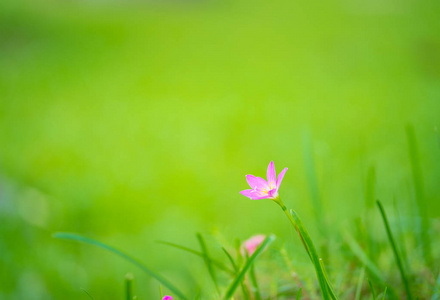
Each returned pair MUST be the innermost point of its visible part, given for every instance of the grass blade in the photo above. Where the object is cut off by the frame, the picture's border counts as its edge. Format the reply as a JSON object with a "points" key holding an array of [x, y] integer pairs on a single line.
{"points": [[218, 264], [420, 193], [373, 293], [236, 269], [359, 285], [208, 261], [384, 293], [329, 285], [254, 283], [129, 286], [298, 295], [229, 256], [310, 248], [394, 247], [87, 293], [81, 239], [240, 276]]}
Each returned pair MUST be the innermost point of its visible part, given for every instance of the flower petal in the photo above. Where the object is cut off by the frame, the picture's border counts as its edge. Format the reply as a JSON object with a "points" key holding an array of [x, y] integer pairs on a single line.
{"points": [[280, 178], [256, 182], [271, 174], [260, 198], [248, 193]]}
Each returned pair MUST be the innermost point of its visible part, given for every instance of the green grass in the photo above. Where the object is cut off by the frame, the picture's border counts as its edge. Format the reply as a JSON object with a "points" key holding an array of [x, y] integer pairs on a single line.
{"points": [[136, 122]]}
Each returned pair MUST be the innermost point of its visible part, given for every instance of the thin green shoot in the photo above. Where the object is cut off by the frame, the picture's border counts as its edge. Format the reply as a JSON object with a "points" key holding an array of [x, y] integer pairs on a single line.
{"points": [[129, 286], [240, 276], [384, 293], [254, 283], [231, 260], [298, 295], [373, 293], [208, 261], [396, 252], [359, 285], [330, 286], [236, 269], [310, 248], [136, 262], [160, 291], [218, 264], [87, 293]]}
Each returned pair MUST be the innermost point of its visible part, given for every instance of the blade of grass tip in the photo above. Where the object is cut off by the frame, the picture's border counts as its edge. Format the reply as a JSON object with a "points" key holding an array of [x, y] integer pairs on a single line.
{"points": [[231, 260], [298, 295], [329, 285], [240, 276], [208, 261], [129, 286], [81, 239], [396, 252], [234, 265], [218, 264], [384, 293], [323, 285], [359, 285], [420, 193], [87, 293], [373, 293]]}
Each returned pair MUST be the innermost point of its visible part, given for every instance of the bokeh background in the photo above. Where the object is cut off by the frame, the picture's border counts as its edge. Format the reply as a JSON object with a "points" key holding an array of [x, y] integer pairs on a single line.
{"points": [[136, 121]]}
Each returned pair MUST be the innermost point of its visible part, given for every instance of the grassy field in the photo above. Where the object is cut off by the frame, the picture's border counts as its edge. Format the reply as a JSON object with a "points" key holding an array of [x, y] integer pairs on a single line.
{"points": [[133, 122]]}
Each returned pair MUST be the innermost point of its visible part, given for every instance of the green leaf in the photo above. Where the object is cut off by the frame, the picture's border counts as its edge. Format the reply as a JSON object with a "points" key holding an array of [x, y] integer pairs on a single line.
{"points": [[359, 285], [240, 276], [310, 248], [254, 283], [208, 261], [373, 293], [298, 295], [234, 265], [396, 252], [384, 293], [218, 264], [79, 238]]}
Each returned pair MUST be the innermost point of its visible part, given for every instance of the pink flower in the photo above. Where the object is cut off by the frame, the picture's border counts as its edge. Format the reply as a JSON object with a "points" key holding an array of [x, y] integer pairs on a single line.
{"points": [[262, 189], [252, 243], [167, 298]]}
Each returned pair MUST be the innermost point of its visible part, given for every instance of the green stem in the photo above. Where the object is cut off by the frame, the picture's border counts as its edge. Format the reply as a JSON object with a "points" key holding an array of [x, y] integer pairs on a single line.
{"points": [[395, 250], [325, 286], [289, 216]]}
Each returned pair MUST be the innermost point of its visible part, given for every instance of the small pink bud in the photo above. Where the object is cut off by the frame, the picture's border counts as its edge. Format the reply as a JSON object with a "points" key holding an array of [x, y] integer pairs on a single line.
{"points": [[167, 298], [252, 243]]}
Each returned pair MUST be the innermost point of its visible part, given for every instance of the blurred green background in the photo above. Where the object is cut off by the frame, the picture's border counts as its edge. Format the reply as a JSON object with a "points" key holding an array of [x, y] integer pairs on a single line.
{"points": [[136, 121]]}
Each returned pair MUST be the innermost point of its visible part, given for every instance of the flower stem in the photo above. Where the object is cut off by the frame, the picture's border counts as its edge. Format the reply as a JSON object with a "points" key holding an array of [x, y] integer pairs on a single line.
{"points": [[289, 216]]}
